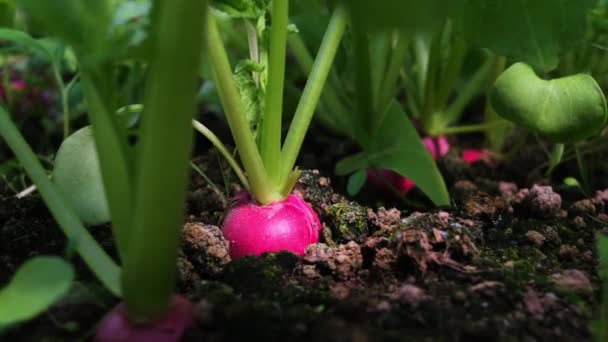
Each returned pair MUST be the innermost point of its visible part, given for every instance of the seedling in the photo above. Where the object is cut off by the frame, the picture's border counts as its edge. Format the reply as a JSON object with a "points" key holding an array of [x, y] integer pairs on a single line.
{"points": [[146, 195], [268, 218]]}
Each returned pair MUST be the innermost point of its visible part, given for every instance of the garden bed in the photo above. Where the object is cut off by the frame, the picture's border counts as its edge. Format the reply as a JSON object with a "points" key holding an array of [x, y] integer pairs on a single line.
{"points": [[506, 262]]}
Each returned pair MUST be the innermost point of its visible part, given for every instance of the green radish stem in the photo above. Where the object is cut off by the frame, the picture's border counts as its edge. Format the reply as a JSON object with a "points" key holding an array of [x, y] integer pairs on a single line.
{"points": [[163, 153], [217, 143], [93, 255], [260, 184], [312, 91], [270, 137]]}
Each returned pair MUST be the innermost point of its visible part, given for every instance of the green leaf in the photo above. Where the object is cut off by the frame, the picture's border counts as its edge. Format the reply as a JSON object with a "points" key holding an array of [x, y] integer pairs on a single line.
{"points": [[26, 41], [532, 31], [250, 9], [564, 110], [7, 13], [91, 252], [78, 176], [571, 181], [356, 181], [408, 15], [38, 283], [397, 146], [84, 24], [600, 327]]}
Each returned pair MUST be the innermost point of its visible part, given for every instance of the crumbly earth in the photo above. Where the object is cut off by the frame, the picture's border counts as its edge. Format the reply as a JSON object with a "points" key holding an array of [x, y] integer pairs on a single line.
{"points": [[507, 262]]}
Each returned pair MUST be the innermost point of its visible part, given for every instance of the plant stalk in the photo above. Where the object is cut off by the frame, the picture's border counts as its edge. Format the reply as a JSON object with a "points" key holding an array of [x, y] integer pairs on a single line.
{"points": [[217, 143], [100, 263], [163, 155], [261, 187], [270, 137], [312, 91]]}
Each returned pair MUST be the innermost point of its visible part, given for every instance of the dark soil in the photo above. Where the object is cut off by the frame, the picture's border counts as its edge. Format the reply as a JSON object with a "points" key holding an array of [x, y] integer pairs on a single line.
{"points": [[508, 262]]}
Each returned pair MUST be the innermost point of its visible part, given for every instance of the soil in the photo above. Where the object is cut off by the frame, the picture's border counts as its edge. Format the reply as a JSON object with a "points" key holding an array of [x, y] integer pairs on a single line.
{"points": [[512, 260]]}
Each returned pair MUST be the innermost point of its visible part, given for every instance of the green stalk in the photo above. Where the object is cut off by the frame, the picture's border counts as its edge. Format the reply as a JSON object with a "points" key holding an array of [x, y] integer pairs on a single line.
{"points": [[114, 160], [476, 85], [389, 81], [472, 128], [601, 330], [254, 50], [65, 110], [582, 167], [260, 184], [363, 78], [93, 255], [452, 70], [163, 155], [312, 91], [217, 143], [337, 116], [270, 137], [6, 82], [430, 104]]}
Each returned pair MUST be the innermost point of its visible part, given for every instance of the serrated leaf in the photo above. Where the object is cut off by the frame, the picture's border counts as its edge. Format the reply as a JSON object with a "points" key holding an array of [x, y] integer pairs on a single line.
{"points": [[531, 31], [38, 283]]}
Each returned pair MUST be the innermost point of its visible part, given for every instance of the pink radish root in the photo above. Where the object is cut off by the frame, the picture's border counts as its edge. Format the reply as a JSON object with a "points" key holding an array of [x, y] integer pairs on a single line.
{"points": [[115, 327], [287, 225]]}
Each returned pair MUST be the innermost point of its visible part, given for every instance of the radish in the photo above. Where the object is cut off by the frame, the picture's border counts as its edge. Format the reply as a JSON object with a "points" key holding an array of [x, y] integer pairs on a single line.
{"points": [[267, 217], [116, 327], [470, 156], [289, 224]]}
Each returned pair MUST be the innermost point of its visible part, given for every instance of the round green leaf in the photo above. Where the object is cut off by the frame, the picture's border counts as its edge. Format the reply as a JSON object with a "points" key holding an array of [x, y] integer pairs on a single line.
{"points": [[38, 283], [564, 110], [78, 176]]}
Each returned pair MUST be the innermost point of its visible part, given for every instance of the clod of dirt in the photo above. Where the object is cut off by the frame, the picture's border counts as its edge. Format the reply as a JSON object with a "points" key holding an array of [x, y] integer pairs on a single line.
{"points": [[601, 200], [568, 252], [205, 247], [539, 201], [343, 261], [572, 281], [316, 190], [386, 220], [507, 189], [384, 259], [348, 222], [582, 207], [462, 189], [533, 304], [263, 274], [481, 205], [186, 274], [579, 222], [536, 238], [421, 244], [411, 295]]}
